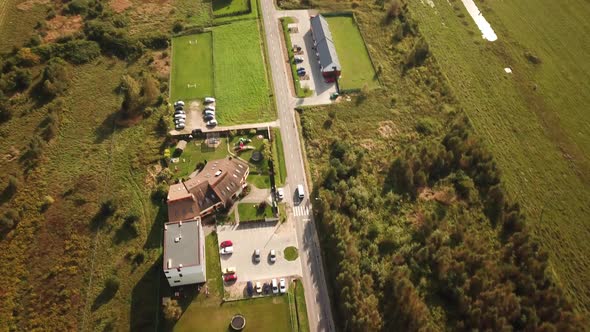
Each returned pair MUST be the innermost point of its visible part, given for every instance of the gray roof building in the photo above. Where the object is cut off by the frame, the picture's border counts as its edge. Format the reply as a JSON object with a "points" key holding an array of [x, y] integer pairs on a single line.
{"points": [[181, 244], [324, 44]]}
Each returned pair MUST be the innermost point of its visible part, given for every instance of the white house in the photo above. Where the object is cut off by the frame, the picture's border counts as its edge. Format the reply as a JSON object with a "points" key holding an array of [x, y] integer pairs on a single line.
{"points": [[184, 253]]}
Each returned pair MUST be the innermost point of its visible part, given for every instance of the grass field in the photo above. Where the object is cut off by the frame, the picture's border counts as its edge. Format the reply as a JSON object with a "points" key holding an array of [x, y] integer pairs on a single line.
{"points": [[357, 69], [535, 121], [251, 212], [241, 86], [192, 67], [196, 152], [17, 21], [229, 7]]}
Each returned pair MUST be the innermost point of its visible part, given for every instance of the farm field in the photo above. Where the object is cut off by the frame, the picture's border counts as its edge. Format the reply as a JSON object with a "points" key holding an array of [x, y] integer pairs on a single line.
{"points": [[192, 67], [357, 70], [535, 121], [241, 86], [229, 7]]}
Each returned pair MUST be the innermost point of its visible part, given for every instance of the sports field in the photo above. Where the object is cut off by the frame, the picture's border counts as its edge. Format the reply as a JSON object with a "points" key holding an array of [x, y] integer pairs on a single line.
{"points": [[241, 86], [192, 67], [534, 120], [357, 69]]}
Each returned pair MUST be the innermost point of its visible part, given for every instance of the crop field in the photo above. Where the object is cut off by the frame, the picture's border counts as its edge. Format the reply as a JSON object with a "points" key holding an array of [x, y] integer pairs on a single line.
{"points": [[192, 67], [534, 120], [241, 86], [229, 7], [357, 69]]}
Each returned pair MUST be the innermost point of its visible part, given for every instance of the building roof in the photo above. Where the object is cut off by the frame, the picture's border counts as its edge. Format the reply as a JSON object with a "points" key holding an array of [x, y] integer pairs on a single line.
{"points": [[181, 244], [324, 44], [181, 145]]}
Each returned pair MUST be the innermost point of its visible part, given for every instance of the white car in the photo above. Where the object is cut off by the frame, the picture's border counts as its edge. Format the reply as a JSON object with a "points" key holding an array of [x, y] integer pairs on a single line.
{"points": [[180, 116], [179, 103], [227, 251], [257, 255], [209, 100], [280, 193], [272, 256], [275, 286], [209, 112], [211, 123], [210, 108], [258, 287], [282, 286]]}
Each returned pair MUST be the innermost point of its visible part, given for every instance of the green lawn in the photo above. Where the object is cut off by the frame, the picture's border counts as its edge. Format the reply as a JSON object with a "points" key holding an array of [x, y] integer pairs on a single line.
{"points": [[251, 212], [196, 151], [301, 306], [264, 314], [229, 7], [279, 158], [357, 69], [241, 86], [192, 67], [299, 91], [213, 266], [291, 253], [535, 121]]}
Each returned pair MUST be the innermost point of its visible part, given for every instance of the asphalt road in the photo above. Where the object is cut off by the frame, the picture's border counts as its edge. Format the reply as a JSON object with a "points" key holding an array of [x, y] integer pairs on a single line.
{"points": [[316, 293]]}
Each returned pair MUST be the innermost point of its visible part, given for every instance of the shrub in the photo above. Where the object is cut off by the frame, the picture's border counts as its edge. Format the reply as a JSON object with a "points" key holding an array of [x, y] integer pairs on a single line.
{"points": [[108, 208], [8, 220], [56, 77], [156, 41], [76, 7], [5, 111], [177, 27], [12, 186], [172, 310], [426, 126], [112, 284], [26, 57], [47, 202], [22, 78], [532, 58]]}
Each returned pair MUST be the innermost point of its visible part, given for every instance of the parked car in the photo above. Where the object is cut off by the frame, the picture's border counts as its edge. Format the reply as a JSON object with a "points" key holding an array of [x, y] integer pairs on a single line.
{"points": [[179, 108], [226, 243], [266, 288], [301, 73], [209, 100], [210, 112], [230, 277], [211, 123], [179, 112], [249, 288], [210, 107], [282, 286], [209, 117], [297, 59], [229, 270], [179, 103], [258, 287], [227, 251], [180, 116], [256, 255], [280, 193], [179, 126], [275, 286], [272, 256]]}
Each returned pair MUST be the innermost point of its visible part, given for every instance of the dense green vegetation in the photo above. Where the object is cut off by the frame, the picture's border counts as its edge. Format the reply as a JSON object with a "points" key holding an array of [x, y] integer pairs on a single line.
{"points": [[241, 87], [357, 69], [230, 7], [413, 214], [192, 67], [534, 121]]}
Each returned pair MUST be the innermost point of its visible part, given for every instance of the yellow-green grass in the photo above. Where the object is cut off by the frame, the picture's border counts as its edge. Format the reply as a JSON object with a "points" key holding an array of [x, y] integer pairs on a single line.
{"points": [[535, 120], [301, 306], [213, 271], [279, 158], [230, 7], [196, 152], [241, 86], [159, 16], [251, 212], [291, 253], [192, 67], [252, 15], [16, 24], [357, 69]]}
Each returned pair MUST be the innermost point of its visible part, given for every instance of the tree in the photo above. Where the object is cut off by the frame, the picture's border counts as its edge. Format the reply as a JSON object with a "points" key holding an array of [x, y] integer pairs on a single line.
{"points": [[26, 57], [22, 78], [172, 310], [131, 95], [56, 77], [151, 90]]}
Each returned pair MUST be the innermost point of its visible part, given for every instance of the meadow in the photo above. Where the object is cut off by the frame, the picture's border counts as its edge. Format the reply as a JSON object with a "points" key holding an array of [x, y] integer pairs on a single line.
{"points": [[17, 20], [230, 7], [192, 67], [241, 85], [357, 69], [534, 120]]}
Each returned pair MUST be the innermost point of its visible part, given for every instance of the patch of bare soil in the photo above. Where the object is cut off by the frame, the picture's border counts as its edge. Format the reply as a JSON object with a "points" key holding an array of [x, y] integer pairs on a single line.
{"points": [[161, 63], [27, 5], [61, 26], [368, 144], [154, 7], [120, 6], [442, 196], [388, 129]]}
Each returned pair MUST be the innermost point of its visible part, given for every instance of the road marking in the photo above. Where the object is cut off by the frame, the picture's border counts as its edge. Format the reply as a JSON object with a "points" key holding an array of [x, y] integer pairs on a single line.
{"points": [[299, 211]]}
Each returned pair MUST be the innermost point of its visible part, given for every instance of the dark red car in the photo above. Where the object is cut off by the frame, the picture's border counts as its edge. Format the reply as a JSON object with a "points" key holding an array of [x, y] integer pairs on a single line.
{"points": [[230, 277], [226, 243]]}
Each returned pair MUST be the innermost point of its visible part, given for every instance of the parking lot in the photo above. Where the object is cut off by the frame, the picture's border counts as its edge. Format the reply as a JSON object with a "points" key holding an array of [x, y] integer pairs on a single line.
{"points": [[248, 237]]}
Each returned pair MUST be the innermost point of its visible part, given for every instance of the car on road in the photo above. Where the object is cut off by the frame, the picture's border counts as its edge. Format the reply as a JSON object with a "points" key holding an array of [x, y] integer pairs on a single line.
{"points": [[229, 270], [297, 59], [249, 288], [280, 193], [256, 255], [230, 277], [282, 286], [209, 100], [272, 256], [226, 243], [300, 191], [275, 286], [211, 123], [258, 287], [226, 251]]}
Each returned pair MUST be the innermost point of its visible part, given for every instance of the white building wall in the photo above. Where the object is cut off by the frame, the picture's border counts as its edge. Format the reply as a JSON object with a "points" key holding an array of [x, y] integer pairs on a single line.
{"points": [[186, 275]]}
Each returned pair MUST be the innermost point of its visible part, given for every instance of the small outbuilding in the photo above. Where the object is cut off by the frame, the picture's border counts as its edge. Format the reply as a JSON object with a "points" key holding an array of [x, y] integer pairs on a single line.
{"points": [[181, 145]]}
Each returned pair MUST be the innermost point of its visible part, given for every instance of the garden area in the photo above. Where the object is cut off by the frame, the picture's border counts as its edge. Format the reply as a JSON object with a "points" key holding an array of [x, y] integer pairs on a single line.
{"points": [[254, 212], [241, 85], [192, 67], [357, 68], [195, 153]]}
